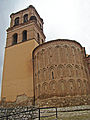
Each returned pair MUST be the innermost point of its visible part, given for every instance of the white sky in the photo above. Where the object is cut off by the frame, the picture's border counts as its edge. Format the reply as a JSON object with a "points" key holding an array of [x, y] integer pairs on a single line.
{"points": [[69, 19]]}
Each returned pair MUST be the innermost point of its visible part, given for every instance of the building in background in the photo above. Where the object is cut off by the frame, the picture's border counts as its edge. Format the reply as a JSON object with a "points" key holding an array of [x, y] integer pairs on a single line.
{"points": [[41, 71]]}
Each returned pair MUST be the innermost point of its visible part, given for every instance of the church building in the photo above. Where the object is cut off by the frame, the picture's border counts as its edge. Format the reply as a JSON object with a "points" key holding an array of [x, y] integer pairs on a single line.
{"points": [[57, 70]]}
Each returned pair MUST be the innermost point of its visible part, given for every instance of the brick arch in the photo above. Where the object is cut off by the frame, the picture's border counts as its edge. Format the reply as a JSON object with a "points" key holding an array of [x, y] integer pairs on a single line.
{"points": [[79, 86], [45, 88], [52, 73], [51, 67], [60, 70], [41, 76], [71, 87], [69, 70], [85, 86], [52, 87], [44, 74], [73, 50], [61, 86], [78, 71]]}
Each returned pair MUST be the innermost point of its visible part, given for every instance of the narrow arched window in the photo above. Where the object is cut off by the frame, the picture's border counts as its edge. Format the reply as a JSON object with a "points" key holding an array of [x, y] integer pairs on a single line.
{"points": [[25, 18], [52, 75], [15, 37], [16, 22], [24, 35], [38, 38]]}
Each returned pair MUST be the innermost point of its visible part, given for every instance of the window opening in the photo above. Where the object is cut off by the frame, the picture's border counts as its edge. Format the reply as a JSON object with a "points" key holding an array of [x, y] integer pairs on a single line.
{"points": [[15, 36], [25, 18], [16, 22], [52, 75], [24, 35]]}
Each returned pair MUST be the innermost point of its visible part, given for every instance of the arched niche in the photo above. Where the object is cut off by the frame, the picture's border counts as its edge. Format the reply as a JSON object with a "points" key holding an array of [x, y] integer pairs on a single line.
{"points": [[15, 39]]}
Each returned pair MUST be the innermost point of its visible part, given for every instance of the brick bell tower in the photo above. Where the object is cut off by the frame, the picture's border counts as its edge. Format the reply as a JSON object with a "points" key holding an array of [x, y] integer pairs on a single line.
{"points": [[23, 35]]}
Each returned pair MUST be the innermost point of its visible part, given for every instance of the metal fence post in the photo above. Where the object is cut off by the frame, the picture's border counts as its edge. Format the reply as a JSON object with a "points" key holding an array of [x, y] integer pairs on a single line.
{"points": [[39, 113], [7, 118], [56, 113]]}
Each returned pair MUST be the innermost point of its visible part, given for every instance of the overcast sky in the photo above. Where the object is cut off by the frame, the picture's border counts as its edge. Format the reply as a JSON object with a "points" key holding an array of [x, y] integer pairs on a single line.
{"points": [[69, 19]]}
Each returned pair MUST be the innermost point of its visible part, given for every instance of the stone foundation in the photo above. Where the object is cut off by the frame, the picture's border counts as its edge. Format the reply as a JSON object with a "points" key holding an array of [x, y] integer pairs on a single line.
{"points": [[23, 106], [55, 101], [21, 100], [63, 101], [18, 113]]}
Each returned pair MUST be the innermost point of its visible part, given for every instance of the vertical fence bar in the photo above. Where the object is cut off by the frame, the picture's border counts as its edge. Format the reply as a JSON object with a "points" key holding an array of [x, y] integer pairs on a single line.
{"points": [[56, 113], [7, 118], [39, 113]]}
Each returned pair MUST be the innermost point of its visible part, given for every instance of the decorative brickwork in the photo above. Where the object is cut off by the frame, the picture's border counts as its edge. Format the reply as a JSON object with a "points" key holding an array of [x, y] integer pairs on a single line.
{"points": [[60, 70]]}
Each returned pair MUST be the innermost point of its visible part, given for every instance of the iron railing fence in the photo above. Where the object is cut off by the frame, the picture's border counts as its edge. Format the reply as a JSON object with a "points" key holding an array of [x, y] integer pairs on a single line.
{"points": [[48, 112], [32, 114]]}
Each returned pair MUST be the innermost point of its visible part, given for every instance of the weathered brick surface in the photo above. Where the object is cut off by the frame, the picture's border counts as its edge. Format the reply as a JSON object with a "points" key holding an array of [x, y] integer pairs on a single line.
{"points": [[60, 69], [63, 101]]}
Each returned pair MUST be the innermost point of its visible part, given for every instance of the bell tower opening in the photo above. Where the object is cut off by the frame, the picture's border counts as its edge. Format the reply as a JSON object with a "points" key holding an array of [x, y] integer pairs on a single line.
{"points": [[16, 22], [24, 35], [25, 18], [15, 37]]}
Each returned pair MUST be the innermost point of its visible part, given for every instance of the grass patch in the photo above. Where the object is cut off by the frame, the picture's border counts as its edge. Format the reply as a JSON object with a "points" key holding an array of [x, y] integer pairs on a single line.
{"points": [[81, 117], [78, 117], [48, 118]]}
